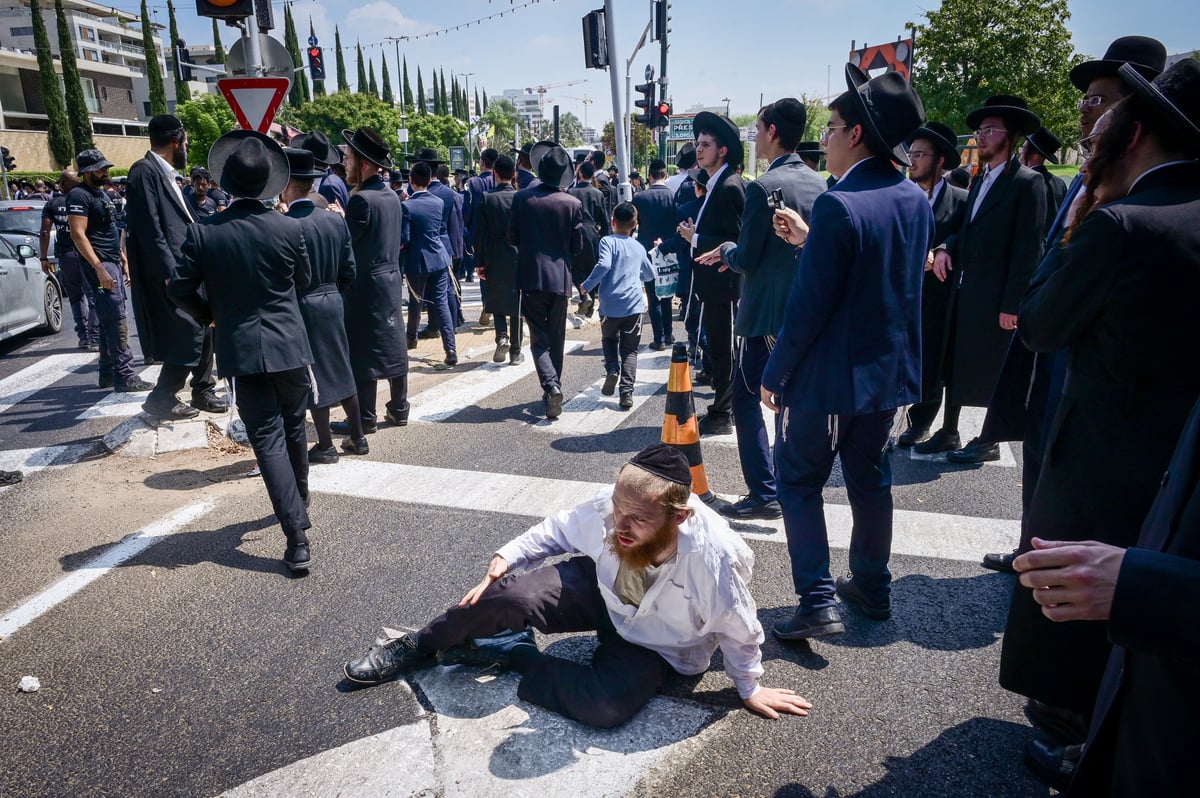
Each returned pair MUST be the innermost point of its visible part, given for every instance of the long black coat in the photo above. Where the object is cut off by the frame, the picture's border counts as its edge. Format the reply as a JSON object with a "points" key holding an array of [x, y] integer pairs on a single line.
{"points": [[1121, 299], [328, 241], [251, 261], [156, 225], [1056, 189], [375, 304], [546, 227], [720, 222], [948, 211], [595, 227], [494, 254], [993, 255]]}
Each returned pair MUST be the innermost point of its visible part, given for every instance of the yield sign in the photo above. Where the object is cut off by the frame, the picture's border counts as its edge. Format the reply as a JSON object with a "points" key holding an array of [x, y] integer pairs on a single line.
{"points": [[254, 100]]}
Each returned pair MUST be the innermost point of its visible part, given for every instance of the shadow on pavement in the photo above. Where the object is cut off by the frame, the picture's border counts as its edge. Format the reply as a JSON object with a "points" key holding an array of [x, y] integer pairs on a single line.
{"points": [[190, 478]]}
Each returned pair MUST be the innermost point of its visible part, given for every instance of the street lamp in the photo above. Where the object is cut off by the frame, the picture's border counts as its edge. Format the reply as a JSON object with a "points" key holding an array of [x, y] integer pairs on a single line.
{"points": [[466, 76], [402, 133], [399, 74], [726, 101]]}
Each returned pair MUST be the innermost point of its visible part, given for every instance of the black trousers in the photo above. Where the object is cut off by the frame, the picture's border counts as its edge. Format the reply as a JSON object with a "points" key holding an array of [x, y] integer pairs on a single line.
{"points": [[546, 314], [368, 394], [716, 317], [172, 377], [620, 337], [272, 407], [564, 597]]}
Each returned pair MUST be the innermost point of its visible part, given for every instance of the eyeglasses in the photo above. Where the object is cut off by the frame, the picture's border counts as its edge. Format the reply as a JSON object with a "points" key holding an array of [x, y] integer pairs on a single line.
{"points": [[919, 156], [1091, 101], [827, 131], [1087, 143], [988, 132]]}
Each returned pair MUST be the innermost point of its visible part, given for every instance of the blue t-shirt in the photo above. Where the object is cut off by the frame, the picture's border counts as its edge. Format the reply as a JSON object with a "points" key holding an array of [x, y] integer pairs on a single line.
{"points": [[620, 272]]}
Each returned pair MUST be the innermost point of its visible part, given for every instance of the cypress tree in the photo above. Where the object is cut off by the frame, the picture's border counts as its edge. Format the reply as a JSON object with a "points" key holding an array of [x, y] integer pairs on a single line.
{"points": [[454, 105], [218, 48], [465, 105], [343, 82], [77, 110], [182, 92], [361, 81], [420, 93], [158, 94], [371, 82], [299, 91], [483, 108], [388, 96], [445, 102], [318, 85], [407, 101], [62, 144], [478, 107], [437, 96]]}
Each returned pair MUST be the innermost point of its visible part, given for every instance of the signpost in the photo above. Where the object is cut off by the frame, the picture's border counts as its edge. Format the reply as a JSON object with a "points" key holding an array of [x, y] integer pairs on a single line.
{"points": [[458, 158], [254, 100], [681, 129]]}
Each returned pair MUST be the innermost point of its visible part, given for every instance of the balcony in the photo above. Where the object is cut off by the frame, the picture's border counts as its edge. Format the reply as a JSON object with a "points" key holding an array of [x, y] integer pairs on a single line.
{"points": [[121, 47]]}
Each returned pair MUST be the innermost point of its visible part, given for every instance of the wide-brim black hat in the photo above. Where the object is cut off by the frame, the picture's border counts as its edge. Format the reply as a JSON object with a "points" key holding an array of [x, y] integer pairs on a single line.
{"points": [[249, 165], [554, 165], [1045, 143], [1147, 56], [538, 150], [1174, 96], [942, 137], [300, 164], [726, 132], [1012, 109], [319, 145], [428, 155], [686, 157], [889, 107], [810, 149], [370, 146]]}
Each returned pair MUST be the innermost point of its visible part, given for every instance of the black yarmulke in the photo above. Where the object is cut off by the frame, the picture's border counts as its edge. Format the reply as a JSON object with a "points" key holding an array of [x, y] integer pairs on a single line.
{"points": [[664, 461]]}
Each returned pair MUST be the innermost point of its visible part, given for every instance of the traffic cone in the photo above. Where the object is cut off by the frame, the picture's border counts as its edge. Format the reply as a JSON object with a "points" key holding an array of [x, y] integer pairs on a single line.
{"points": [[680, 427]]}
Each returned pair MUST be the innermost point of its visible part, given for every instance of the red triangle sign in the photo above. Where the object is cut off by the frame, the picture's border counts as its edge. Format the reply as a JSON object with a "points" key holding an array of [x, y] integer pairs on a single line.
{"points": [[254, 100]]}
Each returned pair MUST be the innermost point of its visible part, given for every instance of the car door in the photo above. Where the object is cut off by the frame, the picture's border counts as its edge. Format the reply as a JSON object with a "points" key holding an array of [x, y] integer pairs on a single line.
{"points": [[9, 288], [23, 284]]}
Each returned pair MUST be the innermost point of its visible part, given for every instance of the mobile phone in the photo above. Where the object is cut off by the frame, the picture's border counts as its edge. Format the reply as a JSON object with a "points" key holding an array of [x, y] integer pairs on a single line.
{"points": [[775, 199]]}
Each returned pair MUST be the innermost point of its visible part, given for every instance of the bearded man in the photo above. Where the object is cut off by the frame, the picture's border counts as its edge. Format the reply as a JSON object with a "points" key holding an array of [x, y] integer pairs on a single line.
{"points": [[647, 540]]}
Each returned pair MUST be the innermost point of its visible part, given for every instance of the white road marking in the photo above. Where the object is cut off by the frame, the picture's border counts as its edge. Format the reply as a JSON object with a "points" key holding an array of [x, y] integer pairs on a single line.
{"points": [[970, 423], [29, 461], [592, 413], [42, 374], [121, 405], [920, 534], [89, 572]]}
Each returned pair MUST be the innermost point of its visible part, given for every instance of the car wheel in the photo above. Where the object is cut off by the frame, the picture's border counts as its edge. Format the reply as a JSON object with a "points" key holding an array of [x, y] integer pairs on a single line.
{"points": [[53, 307]]}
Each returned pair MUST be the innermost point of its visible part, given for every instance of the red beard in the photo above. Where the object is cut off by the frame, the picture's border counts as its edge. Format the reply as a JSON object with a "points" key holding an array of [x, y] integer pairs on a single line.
{"points": [[643, 554]]}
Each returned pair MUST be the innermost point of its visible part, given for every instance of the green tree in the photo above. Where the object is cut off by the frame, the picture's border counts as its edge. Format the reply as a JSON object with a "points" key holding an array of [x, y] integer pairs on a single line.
{"points": [[478, 106], [343, 82], [360, 84], [388, 96], [182, 92], [337, 112], [968, 50], [445, 101], [455, 111], [206, 118], [437, 97], [407, 100], [299, 93], [372, 84], [158, 94], [642, 145], [484, 107], [318, 85], [61, 140], [817, 117], [77, 110], [434, 130], [501, 117], [218, 48], [420, 93]]}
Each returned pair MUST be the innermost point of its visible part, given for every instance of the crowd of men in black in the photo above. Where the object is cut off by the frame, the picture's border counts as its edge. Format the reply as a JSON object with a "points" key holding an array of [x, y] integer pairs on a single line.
{"points": [[1065, 311]]}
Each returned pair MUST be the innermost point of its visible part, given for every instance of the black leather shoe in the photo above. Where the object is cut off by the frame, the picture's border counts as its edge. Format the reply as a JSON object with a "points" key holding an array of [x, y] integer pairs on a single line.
{"points": [[428, 333], [1053, 764], [657, 346], [397, 417], [702, 378], [752, 508], [385, 661], [105, 381], [977, 451], [297, 557], [715, 425], [174, 412], [1000, 562], [587, 306], [818, 623], [343, 428], [10, 478], [502, 347], [1057, 724], [210, 403], [451, 358], [412, 343], [136, 385], [626, 401], [940, 441], [554, 402], [488, 652], [359, 446], [912, 435], [515, 358], [320, 456], [610, 384], [852, 594]]}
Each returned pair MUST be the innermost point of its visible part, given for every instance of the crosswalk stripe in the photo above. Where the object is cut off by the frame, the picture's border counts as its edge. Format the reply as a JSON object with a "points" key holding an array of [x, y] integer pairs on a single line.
{"points": [[592, 413], [28, 461], [18, 387], [936, 535]]}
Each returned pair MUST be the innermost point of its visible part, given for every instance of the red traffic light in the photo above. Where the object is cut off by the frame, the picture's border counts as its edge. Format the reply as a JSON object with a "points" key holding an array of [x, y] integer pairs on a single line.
{"points": [[315, 52]]}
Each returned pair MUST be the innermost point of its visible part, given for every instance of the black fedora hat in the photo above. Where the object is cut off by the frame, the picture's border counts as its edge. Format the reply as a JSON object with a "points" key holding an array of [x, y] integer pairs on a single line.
{"points": [[1046, 143], [1147, 56], [538, 150], [1014, 110], [686, 157], [725, 131], [319, 145], [1174, 96], [942, 137], [249, 165], [554, 165], [300, 164], [809, 149], [428, 155], [370, 146], [889, 106]]}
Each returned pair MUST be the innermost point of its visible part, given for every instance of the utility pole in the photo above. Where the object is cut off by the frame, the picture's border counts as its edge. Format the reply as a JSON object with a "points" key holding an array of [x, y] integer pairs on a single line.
{"points": [[625, 190], [662, 22]]}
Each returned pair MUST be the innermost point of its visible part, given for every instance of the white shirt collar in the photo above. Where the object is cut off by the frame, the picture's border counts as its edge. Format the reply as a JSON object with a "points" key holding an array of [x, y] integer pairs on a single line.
{"points": [[852, 168], [938, 188]]}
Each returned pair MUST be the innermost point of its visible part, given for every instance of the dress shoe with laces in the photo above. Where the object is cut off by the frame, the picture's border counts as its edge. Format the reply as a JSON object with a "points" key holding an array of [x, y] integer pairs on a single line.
{"points": [[911, 436], [297, 557], [489, 652], [318, 455], [397, 417], [626, 401], [356, 446], [428, 333], [502, 347], [210, 403], [1052, 763], [803, 625], [554, 402], [343, 427], [657, 346], [750, 508], [940, 441], [715, 425], [977, 451], [387, 660], [172, 412], [451, 358], [1057, 724], [610, 384], [853, 594], [1000, 562]]}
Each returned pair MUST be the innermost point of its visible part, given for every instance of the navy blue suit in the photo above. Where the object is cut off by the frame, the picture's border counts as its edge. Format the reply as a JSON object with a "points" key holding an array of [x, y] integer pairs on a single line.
{"points": [[848, 355], [656, 220], [452, 234], [427, 265]]}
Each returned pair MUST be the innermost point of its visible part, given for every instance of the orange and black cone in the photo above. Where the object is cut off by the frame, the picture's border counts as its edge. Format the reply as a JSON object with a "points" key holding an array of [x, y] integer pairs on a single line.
{"points": [[680, 427]]}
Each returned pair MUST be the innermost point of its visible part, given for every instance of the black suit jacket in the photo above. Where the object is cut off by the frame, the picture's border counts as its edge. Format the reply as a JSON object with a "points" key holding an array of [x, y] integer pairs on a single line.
{"points": [[251, 260], [720, 221], [375, 306], [1056, 189], [493, 254], [656, 214], [546, 227], [948, 210], [157, 223]]}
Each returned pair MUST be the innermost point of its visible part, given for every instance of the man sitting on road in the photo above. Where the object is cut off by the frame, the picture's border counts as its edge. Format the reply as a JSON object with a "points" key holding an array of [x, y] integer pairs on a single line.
{"points": [[648, 542]]}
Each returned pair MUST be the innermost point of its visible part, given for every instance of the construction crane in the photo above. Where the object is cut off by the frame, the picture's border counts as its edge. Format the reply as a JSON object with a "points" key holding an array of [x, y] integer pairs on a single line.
{"points": [[541, 90], [586, 102]]}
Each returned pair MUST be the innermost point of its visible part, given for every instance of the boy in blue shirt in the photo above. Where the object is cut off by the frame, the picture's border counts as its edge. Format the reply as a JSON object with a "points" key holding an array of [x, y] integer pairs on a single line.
{"points": [[622, 270]]}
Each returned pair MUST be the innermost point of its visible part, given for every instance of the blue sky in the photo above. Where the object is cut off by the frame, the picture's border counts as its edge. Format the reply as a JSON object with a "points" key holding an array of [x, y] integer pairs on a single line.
{"points": [[718, 49]]}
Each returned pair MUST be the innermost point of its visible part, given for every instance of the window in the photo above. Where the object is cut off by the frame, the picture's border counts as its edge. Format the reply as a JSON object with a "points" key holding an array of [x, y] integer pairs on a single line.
{"points": [[130, 93], [104, 93], [21, 31], [90, 55], [89, 95], [87, 34]]}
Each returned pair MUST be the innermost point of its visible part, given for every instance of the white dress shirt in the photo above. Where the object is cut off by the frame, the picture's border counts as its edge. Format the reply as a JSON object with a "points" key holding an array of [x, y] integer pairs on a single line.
{"points": [[712, 182], [990, 176], [172, 174]]}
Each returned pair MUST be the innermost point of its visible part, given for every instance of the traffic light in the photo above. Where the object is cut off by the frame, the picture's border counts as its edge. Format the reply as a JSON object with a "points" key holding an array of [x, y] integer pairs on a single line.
{"points": [[316, 63], [662, 114], [647, 90], [662, 19], [595, 41], [225, 9], [10, 163], [183, 59]]}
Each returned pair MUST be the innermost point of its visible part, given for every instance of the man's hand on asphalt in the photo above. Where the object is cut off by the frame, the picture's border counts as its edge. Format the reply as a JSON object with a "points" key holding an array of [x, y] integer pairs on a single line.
{"points": [[770, 701], [497, 568], [1073, 581]]}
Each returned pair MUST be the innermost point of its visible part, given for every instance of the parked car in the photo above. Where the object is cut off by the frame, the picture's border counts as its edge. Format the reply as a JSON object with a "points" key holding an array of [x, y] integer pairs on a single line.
{"points": [[29, 298], [21, 223]]}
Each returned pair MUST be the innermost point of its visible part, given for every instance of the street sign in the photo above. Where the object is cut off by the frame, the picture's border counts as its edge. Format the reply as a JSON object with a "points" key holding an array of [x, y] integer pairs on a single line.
{"points": [[458, 157], [649, 73], [681, 129], [312, 41], [276, 60], [254, 100]]}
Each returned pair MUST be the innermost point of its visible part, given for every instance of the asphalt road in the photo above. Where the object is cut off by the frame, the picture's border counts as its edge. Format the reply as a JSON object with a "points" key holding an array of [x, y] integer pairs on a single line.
{"points": [[200, 667]]}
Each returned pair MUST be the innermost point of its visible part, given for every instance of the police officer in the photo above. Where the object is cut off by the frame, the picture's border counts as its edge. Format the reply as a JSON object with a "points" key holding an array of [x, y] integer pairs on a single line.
{"points": [[54, 218]]}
